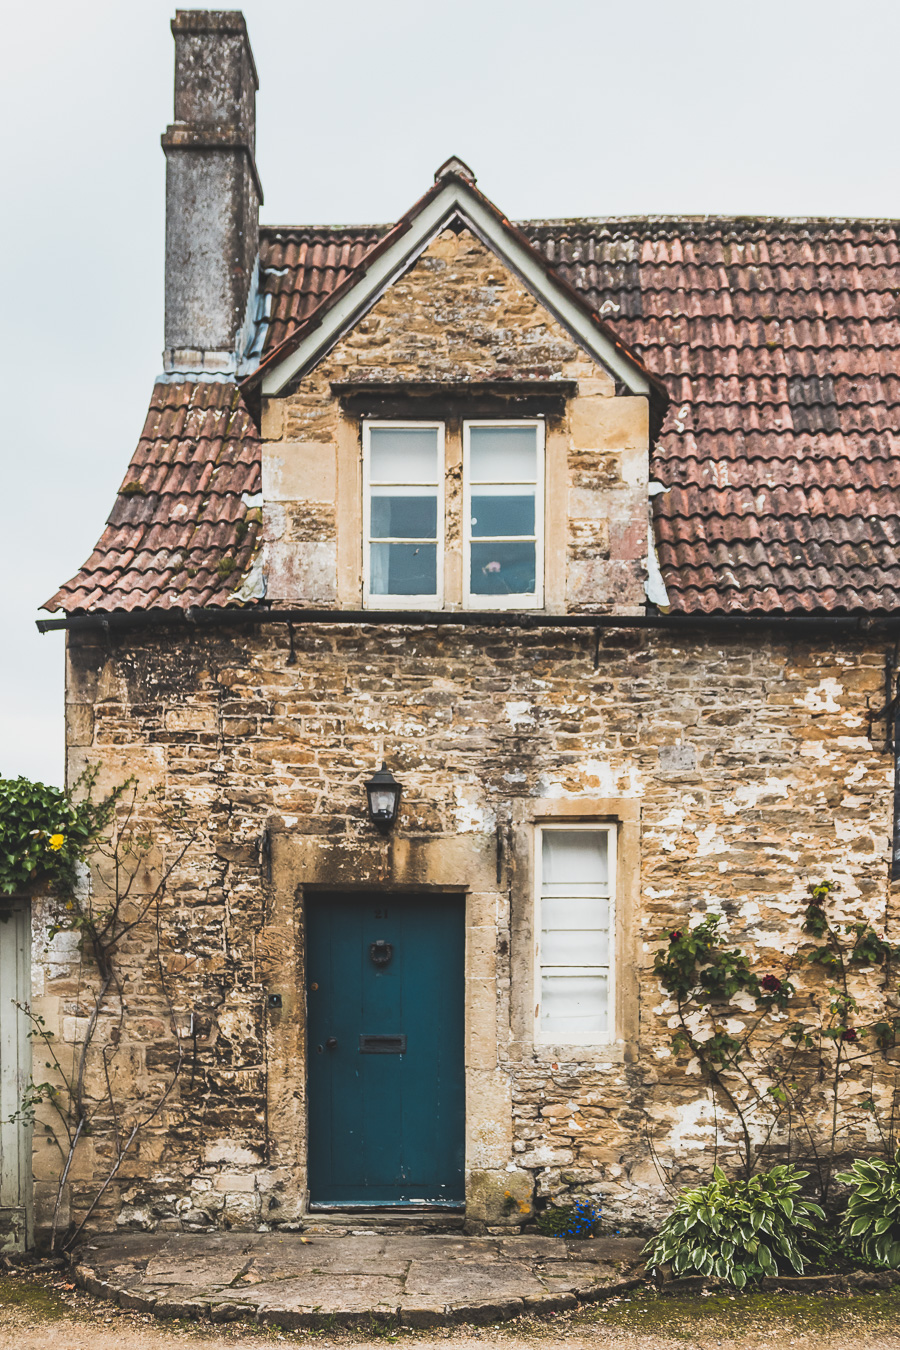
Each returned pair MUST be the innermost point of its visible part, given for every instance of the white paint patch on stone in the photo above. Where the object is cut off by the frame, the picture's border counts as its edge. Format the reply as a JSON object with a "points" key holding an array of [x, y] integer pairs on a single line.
{"points": [[823, 698], [519, 713], [708, 841], [471, 815]]}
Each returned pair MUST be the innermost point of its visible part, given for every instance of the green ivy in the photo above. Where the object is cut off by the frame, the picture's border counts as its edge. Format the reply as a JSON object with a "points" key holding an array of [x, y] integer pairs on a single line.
{"points": [[737, 1231], [44, 832]]}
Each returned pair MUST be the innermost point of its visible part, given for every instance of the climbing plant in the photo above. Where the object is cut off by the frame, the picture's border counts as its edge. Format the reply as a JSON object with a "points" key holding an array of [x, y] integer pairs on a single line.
{"points": [[784, 1052], [92, 857]]}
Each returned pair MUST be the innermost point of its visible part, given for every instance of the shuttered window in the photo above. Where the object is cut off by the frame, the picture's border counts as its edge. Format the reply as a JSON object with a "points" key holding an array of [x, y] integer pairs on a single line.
{"points": [[575, 928]]}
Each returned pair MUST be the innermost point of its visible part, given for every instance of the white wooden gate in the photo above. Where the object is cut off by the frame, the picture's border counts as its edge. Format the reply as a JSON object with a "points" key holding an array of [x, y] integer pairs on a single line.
{"points": [[15, 1072]]}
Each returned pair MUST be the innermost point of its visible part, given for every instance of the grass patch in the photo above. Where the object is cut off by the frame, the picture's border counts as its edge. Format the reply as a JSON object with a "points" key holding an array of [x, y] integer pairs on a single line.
{"points": [[748, 1315], [29, 1296]]}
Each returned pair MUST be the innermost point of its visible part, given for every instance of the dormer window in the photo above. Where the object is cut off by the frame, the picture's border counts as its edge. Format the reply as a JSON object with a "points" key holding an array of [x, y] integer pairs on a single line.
{"points": [[500, 532]]}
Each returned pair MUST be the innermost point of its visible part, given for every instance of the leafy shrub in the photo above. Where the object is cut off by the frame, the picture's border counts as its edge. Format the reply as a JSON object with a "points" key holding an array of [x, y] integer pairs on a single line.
{"points": [[872, 1217], [579, 1220], [736, 1230], [43, 832]]}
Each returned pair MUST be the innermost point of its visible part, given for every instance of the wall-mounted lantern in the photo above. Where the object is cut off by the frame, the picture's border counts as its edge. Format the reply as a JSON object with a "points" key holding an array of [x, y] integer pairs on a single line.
{"points": [[383, 793]]}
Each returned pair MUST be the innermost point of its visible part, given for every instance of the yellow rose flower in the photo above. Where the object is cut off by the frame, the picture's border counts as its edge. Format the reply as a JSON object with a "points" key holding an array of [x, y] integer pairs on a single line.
{"points": [[56, 841]]}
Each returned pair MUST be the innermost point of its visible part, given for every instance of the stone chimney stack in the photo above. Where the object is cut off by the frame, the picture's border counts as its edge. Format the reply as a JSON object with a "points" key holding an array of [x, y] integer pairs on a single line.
{"points": [[213, 192]]}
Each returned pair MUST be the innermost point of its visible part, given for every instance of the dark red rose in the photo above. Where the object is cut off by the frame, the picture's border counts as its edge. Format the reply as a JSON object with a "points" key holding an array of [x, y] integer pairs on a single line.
{"points": [[675, 935], [771, 984], [850, 1035]]}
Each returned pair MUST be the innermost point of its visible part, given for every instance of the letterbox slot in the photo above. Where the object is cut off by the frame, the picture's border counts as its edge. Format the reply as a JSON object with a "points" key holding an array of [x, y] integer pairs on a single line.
{"points": [[382, 1045]]}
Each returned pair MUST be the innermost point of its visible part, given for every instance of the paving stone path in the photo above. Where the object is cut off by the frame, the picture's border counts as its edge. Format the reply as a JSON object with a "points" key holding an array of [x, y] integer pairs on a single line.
{"points": [[292, 1281]]}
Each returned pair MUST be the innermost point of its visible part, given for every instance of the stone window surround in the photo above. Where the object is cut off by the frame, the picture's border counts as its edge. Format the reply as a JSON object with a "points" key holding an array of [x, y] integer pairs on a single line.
{"points": [[624, 814], [349, 498], [495, 875]]}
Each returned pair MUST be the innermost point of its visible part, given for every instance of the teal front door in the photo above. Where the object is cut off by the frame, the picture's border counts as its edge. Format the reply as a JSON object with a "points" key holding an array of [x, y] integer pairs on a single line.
{"points": [[385, 984]]}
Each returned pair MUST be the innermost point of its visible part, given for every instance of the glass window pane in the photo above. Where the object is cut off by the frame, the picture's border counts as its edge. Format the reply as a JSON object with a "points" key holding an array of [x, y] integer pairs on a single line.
{"points": [[574, 947], [503, 512], [575, 855], [503, 569], [579, 913], [502, 454], [403, 454], [407, 514], [403, 569], [574, 1007]]}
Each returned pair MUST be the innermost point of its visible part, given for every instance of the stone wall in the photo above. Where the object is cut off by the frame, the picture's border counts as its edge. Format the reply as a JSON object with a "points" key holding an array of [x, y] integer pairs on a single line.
{"points": [[749, 763]]}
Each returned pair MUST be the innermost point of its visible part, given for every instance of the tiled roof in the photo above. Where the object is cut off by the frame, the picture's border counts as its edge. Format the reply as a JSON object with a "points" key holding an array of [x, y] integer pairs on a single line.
{"points": [[302, 266], [184, 527], [778, 342]]}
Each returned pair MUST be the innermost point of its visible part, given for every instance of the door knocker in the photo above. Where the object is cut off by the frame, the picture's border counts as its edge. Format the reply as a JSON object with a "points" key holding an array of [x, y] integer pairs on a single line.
{"points": [[381, 952]]}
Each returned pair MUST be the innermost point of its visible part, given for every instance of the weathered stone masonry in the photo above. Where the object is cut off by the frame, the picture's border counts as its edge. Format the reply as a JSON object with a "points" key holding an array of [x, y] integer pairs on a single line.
{"points": [[750, 766]]}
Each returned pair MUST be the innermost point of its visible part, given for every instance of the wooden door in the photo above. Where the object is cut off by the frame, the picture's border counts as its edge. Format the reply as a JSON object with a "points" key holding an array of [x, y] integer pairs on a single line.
{"points": [[15, 1074], [385, 994]]}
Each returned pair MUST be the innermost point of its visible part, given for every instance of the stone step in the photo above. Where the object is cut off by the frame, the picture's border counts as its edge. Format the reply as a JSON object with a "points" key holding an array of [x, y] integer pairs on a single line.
{"points": [[378, 1222]]}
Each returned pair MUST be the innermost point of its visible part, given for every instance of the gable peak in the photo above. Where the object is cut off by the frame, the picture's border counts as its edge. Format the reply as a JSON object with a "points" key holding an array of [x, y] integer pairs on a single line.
{"points": [[456, 168]]}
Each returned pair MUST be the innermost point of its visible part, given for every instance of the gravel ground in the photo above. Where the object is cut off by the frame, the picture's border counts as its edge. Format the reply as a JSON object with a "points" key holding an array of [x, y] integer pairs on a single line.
{"points": [[45, 1313]]}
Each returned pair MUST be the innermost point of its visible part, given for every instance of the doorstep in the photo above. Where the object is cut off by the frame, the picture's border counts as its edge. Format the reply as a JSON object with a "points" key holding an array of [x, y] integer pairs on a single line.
{"points": [[294, 1280]]}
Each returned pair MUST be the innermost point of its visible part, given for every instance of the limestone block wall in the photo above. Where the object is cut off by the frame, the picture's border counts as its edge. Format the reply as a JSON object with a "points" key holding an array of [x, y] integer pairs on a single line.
{"points": [[456, 322], [745, 766]]}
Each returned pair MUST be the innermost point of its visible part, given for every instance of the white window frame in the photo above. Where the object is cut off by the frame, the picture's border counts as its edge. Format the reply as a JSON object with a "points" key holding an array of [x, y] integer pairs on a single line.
{"points": [[609, 828], [370, 601], [536, 600]]}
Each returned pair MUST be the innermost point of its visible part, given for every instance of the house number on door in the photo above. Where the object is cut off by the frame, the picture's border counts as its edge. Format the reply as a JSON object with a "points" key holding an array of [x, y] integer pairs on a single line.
{"points": [[381, 914]]}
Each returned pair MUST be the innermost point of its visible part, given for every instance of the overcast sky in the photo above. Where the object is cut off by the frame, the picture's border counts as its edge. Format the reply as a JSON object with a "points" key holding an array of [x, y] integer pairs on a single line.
{"points": [[562, 107]]}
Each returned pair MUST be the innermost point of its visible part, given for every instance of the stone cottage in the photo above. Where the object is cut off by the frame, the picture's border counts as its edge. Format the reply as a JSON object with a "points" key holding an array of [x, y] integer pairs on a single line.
{"points": [[586, 530]]}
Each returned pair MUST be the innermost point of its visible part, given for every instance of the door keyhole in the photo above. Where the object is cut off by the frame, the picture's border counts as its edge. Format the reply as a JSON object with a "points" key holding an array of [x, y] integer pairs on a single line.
{"points": [[331, 1043]]}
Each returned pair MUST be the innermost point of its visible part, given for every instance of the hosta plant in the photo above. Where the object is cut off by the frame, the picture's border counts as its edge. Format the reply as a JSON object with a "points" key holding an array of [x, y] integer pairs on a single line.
{"points": [[737, 1231], [872, 1216]]}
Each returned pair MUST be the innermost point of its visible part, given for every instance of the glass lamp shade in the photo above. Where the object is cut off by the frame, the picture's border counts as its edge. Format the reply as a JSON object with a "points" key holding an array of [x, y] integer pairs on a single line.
{"points": [[383, 793]]}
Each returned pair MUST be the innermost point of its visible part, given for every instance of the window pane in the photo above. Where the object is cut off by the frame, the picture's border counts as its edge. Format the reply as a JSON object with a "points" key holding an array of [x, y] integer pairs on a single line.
{"points": [[574, 947], [502, 454], [403, 569], [503, 569], [582, 913], [403, 455], [574, 1007], [576, 855], [503, 512], [403, 514]]}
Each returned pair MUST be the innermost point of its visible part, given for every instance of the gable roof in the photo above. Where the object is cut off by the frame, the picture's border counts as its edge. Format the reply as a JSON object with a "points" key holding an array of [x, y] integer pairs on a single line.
{"points": [[453, 196], [778, 342]]}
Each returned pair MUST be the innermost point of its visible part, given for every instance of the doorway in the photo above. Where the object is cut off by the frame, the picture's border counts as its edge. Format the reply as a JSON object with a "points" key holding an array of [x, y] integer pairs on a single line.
{"points": [[385, 999]]}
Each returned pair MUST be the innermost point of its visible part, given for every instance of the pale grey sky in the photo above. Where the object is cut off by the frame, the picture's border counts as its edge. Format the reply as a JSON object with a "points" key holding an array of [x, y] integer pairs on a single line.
{"points": [[572, 107]]}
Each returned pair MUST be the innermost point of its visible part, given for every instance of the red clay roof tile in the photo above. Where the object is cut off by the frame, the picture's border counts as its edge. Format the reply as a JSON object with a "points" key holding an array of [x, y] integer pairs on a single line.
{"points": [[180, 532], [778, 342]]}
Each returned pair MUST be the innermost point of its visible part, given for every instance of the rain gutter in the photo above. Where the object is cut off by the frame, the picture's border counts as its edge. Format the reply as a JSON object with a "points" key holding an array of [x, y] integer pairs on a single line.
{"points": [[195, 618]]}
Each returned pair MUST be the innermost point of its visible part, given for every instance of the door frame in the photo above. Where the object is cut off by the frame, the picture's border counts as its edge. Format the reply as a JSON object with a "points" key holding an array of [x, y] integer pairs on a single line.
{"points": [[462, 864]]}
